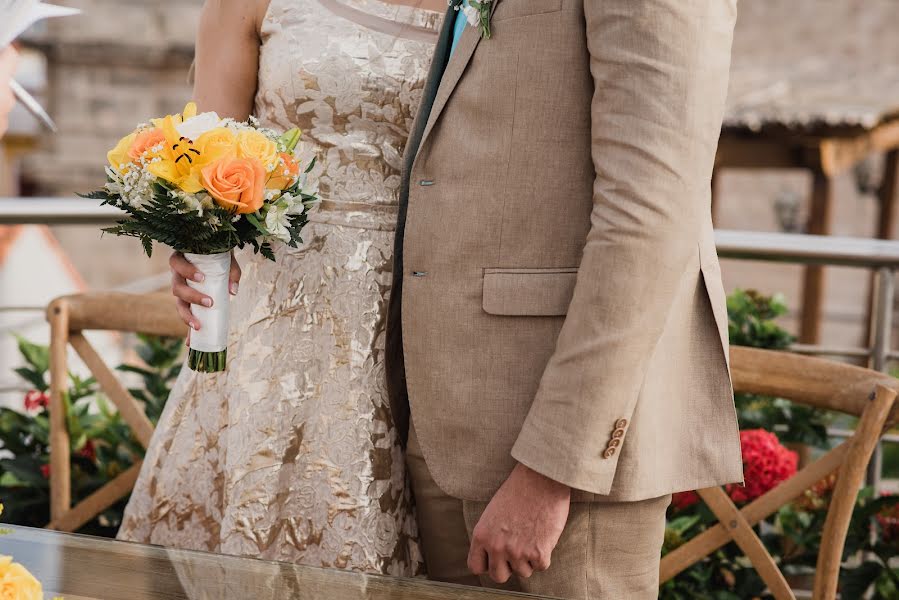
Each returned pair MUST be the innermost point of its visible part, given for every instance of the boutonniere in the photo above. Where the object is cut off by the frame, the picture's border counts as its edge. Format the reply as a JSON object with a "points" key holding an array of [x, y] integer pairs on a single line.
{"points": [[478, 14]]}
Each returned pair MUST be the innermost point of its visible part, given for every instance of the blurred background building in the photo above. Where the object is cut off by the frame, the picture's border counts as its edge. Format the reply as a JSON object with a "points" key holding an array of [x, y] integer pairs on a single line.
{"points": [[99, 75], [125, 60]]}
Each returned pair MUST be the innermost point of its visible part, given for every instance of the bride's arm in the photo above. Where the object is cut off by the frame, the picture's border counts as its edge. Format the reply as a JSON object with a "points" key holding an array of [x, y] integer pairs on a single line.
{"points": [[227, 64], [227, 59]]}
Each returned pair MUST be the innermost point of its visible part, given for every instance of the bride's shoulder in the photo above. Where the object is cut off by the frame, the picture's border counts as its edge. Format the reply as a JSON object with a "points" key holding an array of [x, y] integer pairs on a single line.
{"points": [[236, 13]]}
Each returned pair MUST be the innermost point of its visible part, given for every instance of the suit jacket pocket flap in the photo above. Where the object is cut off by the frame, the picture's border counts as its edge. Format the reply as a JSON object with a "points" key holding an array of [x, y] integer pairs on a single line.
{"points": [[528, 292]]}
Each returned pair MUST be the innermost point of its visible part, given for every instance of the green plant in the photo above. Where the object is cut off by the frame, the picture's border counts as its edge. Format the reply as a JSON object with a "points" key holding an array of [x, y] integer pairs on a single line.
{"points": [[752, 322], [102, 445], [793, 534], [873, 535]]}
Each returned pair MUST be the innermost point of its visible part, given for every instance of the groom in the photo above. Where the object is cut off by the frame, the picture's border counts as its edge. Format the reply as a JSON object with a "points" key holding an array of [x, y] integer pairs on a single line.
{"points": [[557, 325]]}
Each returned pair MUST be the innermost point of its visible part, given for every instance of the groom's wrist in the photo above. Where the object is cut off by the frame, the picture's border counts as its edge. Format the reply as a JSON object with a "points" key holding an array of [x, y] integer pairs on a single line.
{"points": [[541, 482]]}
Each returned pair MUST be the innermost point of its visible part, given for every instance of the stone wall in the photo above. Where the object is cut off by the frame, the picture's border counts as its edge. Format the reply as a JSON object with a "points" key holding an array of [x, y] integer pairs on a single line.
{"points": [[109, 69]]}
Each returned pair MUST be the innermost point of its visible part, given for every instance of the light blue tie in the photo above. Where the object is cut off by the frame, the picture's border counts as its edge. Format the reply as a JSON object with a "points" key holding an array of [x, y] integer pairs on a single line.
{"points": [[458, 27]]}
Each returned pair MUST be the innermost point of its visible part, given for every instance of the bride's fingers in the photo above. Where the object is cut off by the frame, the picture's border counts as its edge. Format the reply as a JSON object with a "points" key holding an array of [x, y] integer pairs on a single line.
{"points": [[234, 276], [187, 316], [185, 293], [182, 267]]}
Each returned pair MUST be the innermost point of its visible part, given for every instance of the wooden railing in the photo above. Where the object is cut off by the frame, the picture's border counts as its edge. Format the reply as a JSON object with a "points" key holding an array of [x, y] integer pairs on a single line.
{"points": [[69, 317]]}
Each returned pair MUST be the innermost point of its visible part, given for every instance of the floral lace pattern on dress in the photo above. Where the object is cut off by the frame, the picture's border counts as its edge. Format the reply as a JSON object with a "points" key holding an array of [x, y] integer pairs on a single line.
{"points": [[297, 459]]}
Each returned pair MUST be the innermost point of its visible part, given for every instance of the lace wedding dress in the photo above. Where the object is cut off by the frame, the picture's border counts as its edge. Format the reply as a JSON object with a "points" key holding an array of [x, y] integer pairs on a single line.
{"points": [[291, 453]]}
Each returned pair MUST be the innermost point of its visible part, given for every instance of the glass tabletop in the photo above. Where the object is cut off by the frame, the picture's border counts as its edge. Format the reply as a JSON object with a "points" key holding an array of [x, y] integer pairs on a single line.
{"points": [[87, 568]]}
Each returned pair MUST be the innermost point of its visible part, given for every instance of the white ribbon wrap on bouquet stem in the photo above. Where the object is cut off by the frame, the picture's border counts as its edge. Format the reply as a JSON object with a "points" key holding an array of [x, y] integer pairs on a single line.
{"points": [[213, 333]]}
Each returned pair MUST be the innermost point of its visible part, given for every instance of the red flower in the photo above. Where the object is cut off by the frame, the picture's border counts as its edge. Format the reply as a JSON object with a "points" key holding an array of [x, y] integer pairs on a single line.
{"points": [[684, 500], [36, 400], [88, 451], [766, 463], [888, 519], [45, 471]]}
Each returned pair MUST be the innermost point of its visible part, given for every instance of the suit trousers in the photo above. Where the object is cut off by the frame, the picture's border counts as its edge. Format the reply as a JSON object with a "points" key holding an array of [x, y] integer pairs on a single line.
{"points": [[608, 550]]}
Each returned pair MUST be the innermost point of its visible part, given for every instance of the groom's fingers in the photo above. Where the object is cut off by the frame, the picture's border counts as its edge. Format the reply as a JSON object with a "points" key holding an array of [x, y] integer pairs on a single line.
{"points": [[500, 572], [477, 558]]}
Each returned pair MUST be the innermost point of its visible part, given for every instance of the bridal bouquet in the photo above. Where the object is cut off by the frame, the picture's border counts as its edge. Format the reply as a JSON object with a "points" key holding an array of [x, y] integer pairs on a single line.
{"points": [[203, 186]]}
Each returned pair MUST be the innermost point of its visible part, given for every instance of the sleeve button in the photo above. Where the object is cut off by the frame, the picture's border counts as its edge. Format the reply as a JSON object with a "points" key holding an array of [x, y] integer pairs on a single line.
{"points": [[621, 424], [609, 453]]}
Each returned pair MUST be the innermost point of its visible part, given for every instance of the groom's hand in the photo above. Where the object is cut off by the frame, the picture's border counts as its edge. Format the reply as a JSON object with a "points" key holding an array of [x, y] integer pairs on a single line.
{"points": [[520, 527], [182, 270]]}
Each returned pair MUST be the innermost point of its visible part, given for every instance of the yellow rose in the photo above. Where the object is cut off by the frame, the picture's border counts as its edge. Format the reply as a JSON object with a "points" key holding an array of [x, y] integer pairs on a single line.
{"points": [[119, 157], [16, 583], [252, 144], [215, 144]]}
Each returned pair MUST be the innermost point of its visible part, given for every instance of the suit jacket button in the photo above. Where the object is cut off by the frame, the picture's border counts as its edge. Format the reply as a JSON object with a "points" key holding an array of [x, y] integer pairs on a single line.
{"points": [[618, 433], [614, 442], [621, 424], [609, 453]]}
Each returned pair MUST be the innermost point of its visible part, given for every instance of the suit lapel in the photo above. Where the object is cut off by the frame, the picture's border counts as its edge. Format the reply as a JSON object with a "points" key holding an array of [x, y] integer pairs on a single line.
{"points": [[468, 43], [432, 84]]}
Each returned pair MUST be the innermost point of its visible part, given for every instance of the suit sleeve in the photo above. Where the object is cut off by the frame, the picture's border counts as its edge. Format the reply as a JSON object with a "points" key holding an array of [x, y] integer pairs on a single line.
{"points": [[660, 69]]}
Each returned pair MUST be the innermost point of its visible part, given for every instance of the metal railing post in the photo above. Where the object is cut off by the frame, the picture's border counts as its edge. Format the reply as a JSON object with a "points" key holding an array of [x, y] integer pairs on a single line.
{"points": [[882, 328]]}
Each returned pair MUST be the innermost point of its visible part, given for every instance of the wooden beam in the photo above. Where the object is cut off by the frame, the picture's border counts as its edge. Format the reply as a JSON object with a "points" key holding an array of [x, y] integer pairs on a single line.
{"points": [[845, 493], [97, 502], [809, 380], [744, 536], [819, 223], [839, 154], [131, 411], [114, 311], [60, 475], [759, 153]]}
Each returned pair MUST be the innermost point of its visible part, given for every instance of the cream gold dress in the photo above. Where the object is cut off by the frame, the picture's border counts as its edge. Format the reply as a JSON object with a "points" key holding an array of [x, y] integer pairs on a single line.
{"points": [[291, 453]]}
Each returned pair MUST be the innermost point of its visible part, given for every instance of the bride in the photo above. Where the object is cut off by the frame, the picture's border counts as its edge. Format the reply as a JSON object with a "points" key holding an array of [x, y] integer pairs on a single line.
{"points": [[291, 454]]}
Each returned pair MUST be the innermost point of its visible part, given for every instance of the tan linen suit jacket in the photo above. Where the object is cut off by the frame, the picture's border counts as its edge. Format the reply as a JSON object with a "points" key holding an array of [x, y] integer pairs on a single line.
{"points": [[557, 296]]}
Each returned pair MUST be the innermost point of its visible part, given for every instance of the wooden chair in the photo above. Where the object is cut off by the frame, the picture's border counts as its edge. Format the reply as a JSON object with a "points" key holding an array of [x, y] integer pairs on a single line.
{"points": [[68, 317], [815, 382]]}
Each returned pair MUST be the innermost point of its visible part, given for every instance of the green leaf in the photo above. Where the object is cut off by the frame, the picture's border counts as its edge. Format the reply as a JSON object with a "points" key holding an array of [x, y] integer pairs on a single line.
{"points": [[33, 377], [35, 355], [854, 583]]}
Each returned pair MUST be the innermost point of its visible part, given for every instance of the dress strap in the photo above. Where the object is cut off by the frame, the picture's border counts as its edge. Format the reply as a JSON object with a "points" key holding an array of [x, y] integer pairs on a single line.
{"points": [[381, 24]]}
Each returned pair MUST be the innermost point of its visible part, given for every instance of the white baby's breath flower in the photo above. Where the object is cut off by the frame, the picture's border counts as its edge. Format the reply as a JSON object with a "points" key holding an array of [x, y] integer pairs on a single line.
{"points": [[136, 186]]}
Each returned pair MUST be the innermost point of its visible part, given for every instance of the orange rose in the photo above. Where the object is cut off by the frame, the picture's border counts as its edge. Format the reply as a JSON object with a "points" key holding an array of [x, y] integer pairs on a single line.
{"points": [[146, 139], [285, 174], [236, 184]]}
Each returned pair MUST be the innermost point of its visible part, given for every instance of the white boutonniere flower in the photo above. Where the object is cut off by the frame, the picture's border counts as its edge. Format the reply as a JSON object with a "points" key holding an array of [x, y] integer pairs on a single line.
{"points": [[477, 13]]}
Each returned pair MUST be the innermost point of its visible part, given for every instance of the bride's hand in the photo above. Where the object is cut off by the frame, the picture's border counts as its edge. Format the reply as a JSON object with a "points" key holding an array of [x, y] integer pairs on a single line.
{"points": [[182, 270]]}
